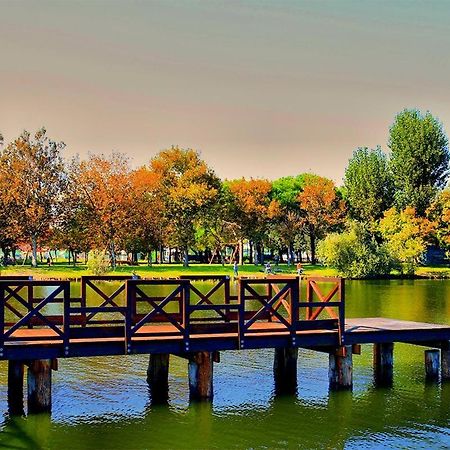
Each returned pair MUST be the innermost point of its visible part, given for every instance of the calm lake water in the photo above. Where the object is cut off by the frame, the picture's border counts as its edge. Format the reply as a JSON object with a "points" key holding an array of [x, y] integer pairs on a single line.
{"points": [[104, 403]]}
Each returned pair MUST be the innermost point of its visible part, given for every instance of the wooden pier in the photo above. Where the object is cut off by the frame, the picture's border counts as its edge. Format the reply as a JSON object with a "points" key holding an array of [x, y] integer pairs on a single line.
{"points": [[41, 322]]}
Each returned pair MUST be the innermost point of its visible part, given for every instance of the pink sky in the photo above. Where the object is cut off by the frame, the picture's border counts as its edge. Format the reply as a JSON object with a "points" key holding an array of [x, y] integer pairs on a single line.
{"points": [[262, 89]]}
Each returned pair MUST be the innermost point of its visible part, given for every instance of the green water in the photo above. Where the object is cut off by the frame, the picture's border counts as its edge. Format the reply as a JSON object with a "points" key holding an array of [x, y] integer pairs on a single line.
{"points": [[104, 402]]}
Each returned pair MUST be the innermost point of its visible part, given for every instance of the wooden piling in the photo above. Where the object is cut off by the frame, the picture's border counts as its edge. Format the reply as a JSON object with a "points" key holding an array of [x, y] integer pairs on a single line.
{"points": [[15, 388], [432, 365], [158, 376], [383, 363], [445, 361], [39, 386], [340, 372], [285, 370], [201, 376]]}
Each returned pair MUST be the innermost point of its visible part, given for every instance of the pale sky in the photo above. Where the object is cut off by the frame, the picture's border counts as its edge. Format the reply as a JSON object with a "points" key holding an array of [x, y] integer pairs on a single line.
{"points": [[260, 88]]}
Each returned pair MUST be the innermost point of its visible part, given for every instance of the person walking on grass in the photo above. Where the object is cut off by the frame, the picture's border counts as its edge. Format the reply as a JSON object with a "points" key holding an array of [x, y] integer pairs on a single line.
{"points": [[235, 269]]}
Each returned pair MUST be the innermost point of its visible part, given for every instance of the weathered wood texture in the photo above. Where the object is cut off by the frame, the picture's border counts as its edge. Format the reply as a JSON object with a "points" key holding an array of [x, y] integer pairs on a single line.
{"points": [[285, 370], [445, 362], [200, 369], [432, 359], [15, 388], [383, 363], [340, 371], [40, 386], [158, 376]]}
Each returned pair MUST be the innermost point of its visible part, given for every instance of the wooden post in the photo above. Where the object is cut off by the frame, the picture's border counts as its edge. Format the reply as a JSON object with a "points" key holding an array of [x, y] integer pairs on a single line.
{"points": [[383, 363], [340, 372], [158, 376], [432, 365], [15, 388], [201, 376], [445, 362], [285, 370], [40, 386]]}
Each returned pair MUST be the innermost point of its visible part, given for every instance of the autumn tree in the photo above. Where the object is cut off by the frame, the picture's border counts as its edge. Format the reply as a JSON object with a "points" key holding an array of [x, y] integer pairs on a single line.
{"points": [[74, 229], [439, 214], [104, 189], [147, 218], [368, 185], [33, 179], [287, 226], [323, 209], [189, 189], [419, 159], [406, 235], [253, 209]]}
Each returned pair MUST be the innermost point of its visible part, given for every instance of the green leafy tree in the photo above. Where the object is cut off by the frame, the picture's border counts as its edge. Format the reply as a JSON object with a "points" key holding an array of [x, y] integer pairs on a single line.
{"points": [[368, 185], [406, 236], [287, 228], [355, 253], [419, 159]]}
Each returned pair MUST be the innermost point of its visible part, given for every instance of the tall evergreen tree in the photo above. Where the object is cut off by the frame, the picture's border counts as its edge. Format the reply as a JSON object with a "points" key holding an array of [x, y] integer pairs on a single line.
{"points": [[419, 160]]}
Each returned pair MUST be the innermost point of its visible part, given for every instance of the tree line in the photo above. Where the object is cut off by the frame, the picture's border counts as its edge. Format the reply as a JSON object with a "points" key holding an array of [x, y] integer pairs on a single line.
{"points": [[388, 209]]}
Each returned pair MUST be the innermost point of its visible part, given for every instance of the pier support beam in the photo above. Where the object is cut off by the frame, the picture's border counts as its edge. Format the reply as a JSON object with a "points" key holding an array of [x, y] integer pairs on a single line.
{"points": [[200, 370], [158, 376], [15, 388], [40, 385], [340, 371], [432, 365], [285, 370], [383, 363], [445, 362]]}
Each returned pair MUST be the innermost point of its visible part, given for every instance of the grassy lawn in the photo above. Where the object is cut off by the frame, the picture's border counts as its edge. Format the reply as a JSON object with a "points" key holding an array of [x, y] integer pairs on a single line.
{"points": [[62, 270]]}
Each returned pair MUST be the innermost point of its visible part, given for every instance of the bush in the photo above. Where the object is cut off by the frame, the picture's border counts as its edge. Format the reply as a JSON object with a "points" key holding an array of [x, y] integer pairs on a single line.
{"points": [[356, 254], [98, 262]]}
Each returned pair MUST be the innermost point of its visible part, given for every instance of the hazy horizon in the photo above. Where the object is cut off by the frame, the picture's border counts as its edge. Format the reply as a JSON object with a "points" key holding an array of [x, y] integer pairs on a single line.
{"points": [[261, 89]]}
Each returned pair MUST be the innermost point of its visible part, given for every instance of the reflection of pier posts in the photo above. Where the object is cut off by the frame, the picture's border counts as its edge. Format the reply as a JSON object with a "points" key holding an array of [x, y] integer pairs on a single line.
{"points": [[40, 385], [432, 365], [285, 370], [15, 388], [200, 370], [340, 371], [383, 363], [445, 361], [158, 376]]}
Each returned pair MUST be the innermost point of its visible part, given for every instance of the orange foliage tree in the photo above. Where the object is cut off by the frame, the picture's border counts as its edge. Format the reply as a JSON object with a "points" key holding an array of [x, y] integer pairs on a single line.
{"points": [[32, 182], [188, 189], [253, 210], [104, 188], [322, 208]]}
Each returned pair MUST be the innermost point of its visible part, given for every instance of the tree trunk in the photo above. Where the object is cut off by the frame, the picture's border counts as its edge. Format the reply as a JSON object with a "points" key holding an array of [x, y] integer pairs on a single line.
{"points": [[241, 253], [186, 257], [250, 255], [312, 239], [113, 255], [74, 253], [33, 250], [5, 256]]}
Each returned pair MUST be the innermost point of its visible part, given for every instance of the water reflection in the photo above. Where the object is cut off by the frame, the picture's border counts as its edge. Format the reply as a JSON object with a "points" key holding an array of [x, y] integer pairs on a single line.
{"points": [[105, 402]]}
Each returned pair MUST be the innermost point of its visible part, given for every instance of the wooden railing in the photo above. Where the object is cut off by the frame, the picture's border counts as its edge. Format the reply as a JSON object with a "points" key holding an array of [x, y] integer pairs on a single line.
{"points": [[28, 310], [170, 308]]}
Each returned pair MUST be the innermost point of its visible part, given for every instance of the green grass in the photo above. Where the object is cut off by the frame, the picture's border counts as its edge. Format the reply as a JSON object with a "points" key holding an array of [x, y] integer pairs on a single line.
{"points": [[64, 271]]}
